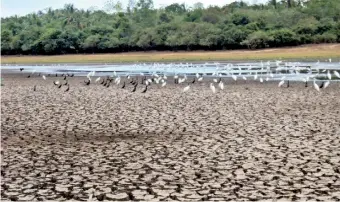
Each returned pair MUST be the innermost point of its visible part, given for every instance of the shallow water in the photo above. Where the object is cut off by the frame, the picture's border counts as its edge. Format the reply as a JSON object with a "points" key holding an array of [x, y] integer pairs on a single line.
{"points": [[278, 69]]}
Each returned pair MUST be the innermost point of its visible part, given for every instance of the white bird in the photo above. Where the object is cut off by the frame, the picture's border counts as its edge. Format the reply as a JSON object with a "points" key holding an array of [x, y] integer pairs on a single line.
{"points": [[326, 84], [281, 83], [234, 77], [330, 59], [255, 76], [186, 88], [271, 75], [267, 79], [97, 80], [337, 74], [215, 80], [200, 79], [117, 80], [221, 85], [244, 78], [44, 77], [197, 75], [181, 80], [89, 75], [114, 73], [212, 87], [316, 86], [261, 80], [57, 82], [163, 84], [329, 75]]}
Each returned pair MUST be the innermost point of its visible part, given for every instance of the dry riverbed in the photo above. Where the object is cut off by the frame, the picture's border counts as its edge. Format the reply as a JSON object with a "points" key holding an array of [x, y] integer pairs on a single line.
{"points": [[250, 141]]}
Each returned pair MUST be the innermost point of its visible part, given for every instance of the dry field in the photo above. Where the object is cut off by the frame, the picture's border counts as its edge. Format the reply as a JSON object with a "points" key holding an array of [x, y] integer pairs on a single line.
{"points": [[309, 52], [250, 141]]}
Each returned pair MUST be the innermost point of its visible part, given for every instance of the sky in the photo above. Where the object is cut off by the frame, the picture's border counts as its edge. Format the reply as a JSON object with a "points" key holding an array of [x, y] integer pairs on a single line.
{"points": [[23, 7]]}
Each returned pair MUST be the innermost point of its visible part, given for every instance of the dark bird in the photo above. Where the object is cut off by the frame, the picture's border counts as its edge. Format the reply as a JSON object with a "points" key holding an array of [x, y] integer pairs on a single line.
{"points": [[64, 77], [48, 74], [56, 75], [39, 74], [21, 69], [34, 88], [322, 84], [87, 82], [288, 84], [306, 84], [59, 86], [66, 83], [28, 76], [123, 85], [143, 80], [102, 82], [219, 81], [68, 88], [193, 81], [72, 75], [146, 88], [134, 89]]}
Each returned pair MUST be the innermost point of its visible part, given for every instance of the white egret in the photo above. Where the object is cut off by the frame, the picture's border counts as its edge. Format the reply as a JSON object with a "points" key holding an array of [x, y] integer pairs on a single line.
{"points": [[337, 74], [221, 85], [316, 86], [44, 77], [329, 76], [185, 89], [326, 84], [281, 83], [212, 87]]}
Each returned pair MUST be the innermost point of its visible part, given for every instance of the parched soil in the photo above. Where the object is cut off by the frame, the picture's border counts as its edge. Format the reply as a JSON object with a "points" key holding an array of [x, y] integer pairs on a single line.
{"points": [[251, 141]]}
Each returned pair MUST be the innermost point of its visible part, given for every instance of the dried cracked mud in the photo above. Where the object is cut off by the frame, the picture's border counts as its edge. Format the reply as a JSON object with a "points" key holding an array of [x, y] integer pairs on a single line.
{"points": [[250, 141]]}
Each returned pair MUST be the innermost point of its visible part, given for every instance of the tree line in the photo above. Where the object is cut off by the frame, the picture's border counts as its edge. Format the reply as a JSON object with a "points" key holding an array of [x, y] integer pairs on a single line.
{"points": [[141, 27]]}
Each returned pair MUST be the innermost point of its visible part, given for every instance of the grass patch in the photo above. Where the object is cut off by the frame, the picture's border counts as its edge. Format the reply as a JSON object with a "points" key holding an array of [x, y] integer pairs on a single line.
{"points": [[309, 52]]}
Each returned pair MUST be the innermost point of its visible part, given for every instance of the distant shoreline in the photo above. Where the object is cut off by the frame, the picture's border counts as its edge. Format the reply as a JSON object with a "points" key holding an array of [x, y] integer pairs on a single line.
{"points": [[306, 52]]}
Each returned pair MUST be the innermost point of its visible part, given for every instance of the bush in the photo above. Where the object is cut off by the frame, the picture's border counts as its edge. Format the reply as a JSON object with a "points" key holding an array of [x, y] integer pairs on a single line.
{"points": [[284, 37], [258, 39], [325, 38]]}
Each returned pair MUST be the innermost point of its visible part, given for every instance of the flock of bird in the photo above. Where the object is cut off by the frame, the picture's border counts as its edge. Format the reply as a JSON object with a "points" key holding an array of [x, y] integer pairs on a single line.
{"points": [[305, 74]]}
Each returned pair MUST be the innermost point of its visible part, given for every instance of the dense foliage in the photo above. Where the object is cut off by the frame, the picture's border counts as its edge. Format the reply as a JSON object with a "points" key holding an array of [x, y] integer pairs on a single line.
{"points": [[174, 27]]}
